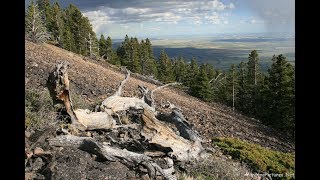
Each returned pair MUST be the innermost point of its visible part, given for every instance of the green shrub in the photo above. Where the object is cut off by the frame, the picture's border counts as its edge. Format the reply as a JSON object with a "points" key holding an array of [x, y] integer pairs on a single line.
{"points": [[215, 167], [39, 110], [260, 159]]}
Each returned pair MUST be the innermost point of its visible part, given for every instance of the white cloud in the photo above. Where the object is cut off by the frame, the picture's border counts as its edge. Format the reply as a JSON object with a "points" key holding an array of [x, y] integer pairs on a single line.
{"points": [[214, 19], [231, 6], [170, 12], [135, 10], [98, 19]]}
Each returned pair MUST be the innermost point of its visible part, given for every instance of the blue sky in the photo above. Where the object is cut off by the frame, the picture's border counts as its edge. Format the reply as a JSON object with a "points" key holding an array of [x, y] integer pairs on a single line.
{"points": [[156, 18]]}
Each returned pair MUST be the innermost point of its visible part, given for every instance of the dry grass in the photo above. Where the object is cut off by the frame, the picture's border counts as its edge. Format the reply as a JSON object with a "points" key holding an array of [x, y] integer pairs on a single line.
{"points": [[39, 109], [216, 167]]}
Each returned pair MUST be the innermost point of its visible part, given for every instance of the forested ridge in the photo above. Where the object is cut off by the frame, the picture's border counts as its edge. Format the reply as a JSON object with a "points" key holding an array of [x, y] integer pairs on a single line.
{"points": [[269, 96]]}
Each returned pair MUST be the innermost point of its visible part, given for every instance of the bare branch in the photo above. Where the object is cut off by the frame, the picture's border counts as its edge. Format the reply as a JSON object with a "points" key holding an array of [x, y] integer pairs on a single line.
{"points": [[129, 158], [160, 87], [119, 91], [215, 78]]}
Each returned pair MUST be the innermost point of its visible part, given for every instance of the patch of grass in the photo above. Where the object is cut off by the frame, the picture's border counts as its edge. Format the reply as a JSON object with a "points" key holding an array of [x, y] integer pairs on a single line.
{"points": [[214, 168], [260, 159], [39, 110], [79, 102]]}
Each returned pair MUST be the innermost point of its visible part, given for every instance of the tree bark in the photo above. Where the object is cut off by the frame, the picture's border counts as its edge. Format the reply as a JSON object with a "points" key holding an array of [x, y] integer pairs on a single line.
{"points": [[126, 157], [157, 132], [81, 119]]}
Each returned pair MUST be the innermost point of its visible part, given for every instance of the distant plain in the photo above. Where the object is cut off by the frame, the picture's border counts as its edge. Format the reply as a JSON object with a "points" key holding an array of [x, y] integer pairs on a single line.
{"points": [[224, 50]]}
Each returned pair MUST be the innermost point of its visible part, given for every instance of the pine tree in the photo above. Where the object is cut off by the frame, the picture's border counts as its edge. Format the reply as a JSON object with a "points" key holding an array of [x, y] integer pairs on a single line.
{"points": [[281, 94], [46, 13], [210, 71], [232, 86], [135, 64], [254, 79], [192, 72], [165, 69], [109, 50], [201, 88], [143, 56], [68, 42], [123, 52], [243, 96], [57, 26], [34, 25], [151, 68], [180, 69], [83, 35], [219, 87], [253, 68], [102, 47]]}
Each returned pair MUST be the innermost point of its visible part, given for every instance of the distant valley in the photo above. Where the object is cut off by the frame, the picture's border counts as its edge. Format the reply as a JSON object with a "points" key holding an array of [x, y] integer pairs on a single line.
{"points": [[223, 50]]}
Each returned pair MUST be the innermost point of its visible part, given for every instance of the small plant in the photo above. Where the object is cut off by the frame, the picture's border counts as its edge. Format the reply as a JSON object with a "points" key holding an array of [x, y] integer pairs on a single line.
{"points": [[260, 159], [214, 168], [39, 110]]}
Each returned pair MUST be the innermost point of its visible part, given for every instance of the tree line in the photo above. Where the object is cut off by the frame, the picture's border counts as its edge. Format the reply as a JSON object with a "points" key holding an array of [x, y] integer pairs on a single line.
{"points": [[269, 96]]}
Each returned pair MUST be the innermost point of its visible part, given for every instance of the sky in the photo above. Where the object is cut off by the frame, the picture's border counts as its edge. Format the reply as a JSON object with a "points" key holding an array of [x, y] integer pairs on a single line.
{"points": [[156, 18]]}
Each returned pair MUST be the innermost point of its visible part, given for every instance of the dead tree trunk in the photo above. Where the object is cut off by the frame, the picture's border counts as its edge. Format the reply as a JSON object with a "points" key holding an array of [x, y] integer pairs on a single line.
{"points": [[159, 133], [117, 103], [129, 158], [181, 124], [81, 119]]}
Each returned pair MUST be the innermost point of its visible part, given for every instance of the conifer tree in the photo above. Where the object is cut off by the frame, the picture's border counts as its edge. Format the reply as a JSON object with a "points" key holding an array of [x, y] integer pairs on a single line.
{"points": [[165, 68], [46, 13], [210, 71], [201, 88], [151, 68], [232, 86], [109, 50], [57, 26], [281, 94], [243, 96], [102, 47], [35, 29], [123, 51], [192, 71], [254, 79], [180, 69]]}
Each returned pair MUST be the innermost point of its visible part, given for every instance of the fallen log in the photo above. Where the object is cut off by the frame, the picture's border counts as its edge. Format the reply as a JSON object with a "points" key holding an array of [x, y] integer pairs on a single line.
{"points": [[59, 86], [81, 119], [126, 157], [181, 124], [186, 147], [157, 132], [116, 102]]}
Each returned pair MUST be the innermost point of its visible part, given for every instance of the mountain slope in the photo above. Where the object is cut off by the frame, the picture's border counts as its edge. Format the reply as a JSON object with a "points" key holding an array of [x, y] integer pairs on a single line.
{"points": [[97, 80]]}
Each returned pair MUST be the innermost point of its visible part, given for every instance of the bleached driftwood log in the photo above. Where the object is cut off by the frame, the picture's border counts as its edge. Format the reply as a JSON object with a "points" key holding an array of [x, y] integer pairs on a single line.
{"points": [[185, 147], [159, 133], [81, 119], [116, 102], [184, 128], [129, 158]]}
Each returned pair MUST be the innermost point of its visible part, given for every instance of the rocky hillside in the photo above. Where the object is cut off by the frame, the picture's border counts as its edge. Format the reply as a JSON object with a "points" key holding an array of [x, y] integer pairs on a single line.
{"points": [[94, 80]]}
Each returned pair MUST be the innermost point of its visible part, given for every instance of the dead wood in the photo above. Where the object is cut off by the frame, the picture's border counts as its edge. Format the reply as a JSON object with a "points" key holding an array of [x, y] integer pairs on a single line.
{"points": [[157, 132], [160, 87], [186, 147], [81, 119], [184, 128], [116, 103], [104, 151]]}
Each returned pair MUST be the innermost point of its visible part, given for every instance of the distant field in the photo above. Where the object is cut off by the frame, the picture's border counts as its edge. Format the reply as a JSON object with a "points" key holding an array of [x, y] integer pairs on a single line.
{"points": [[224, 50]]}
